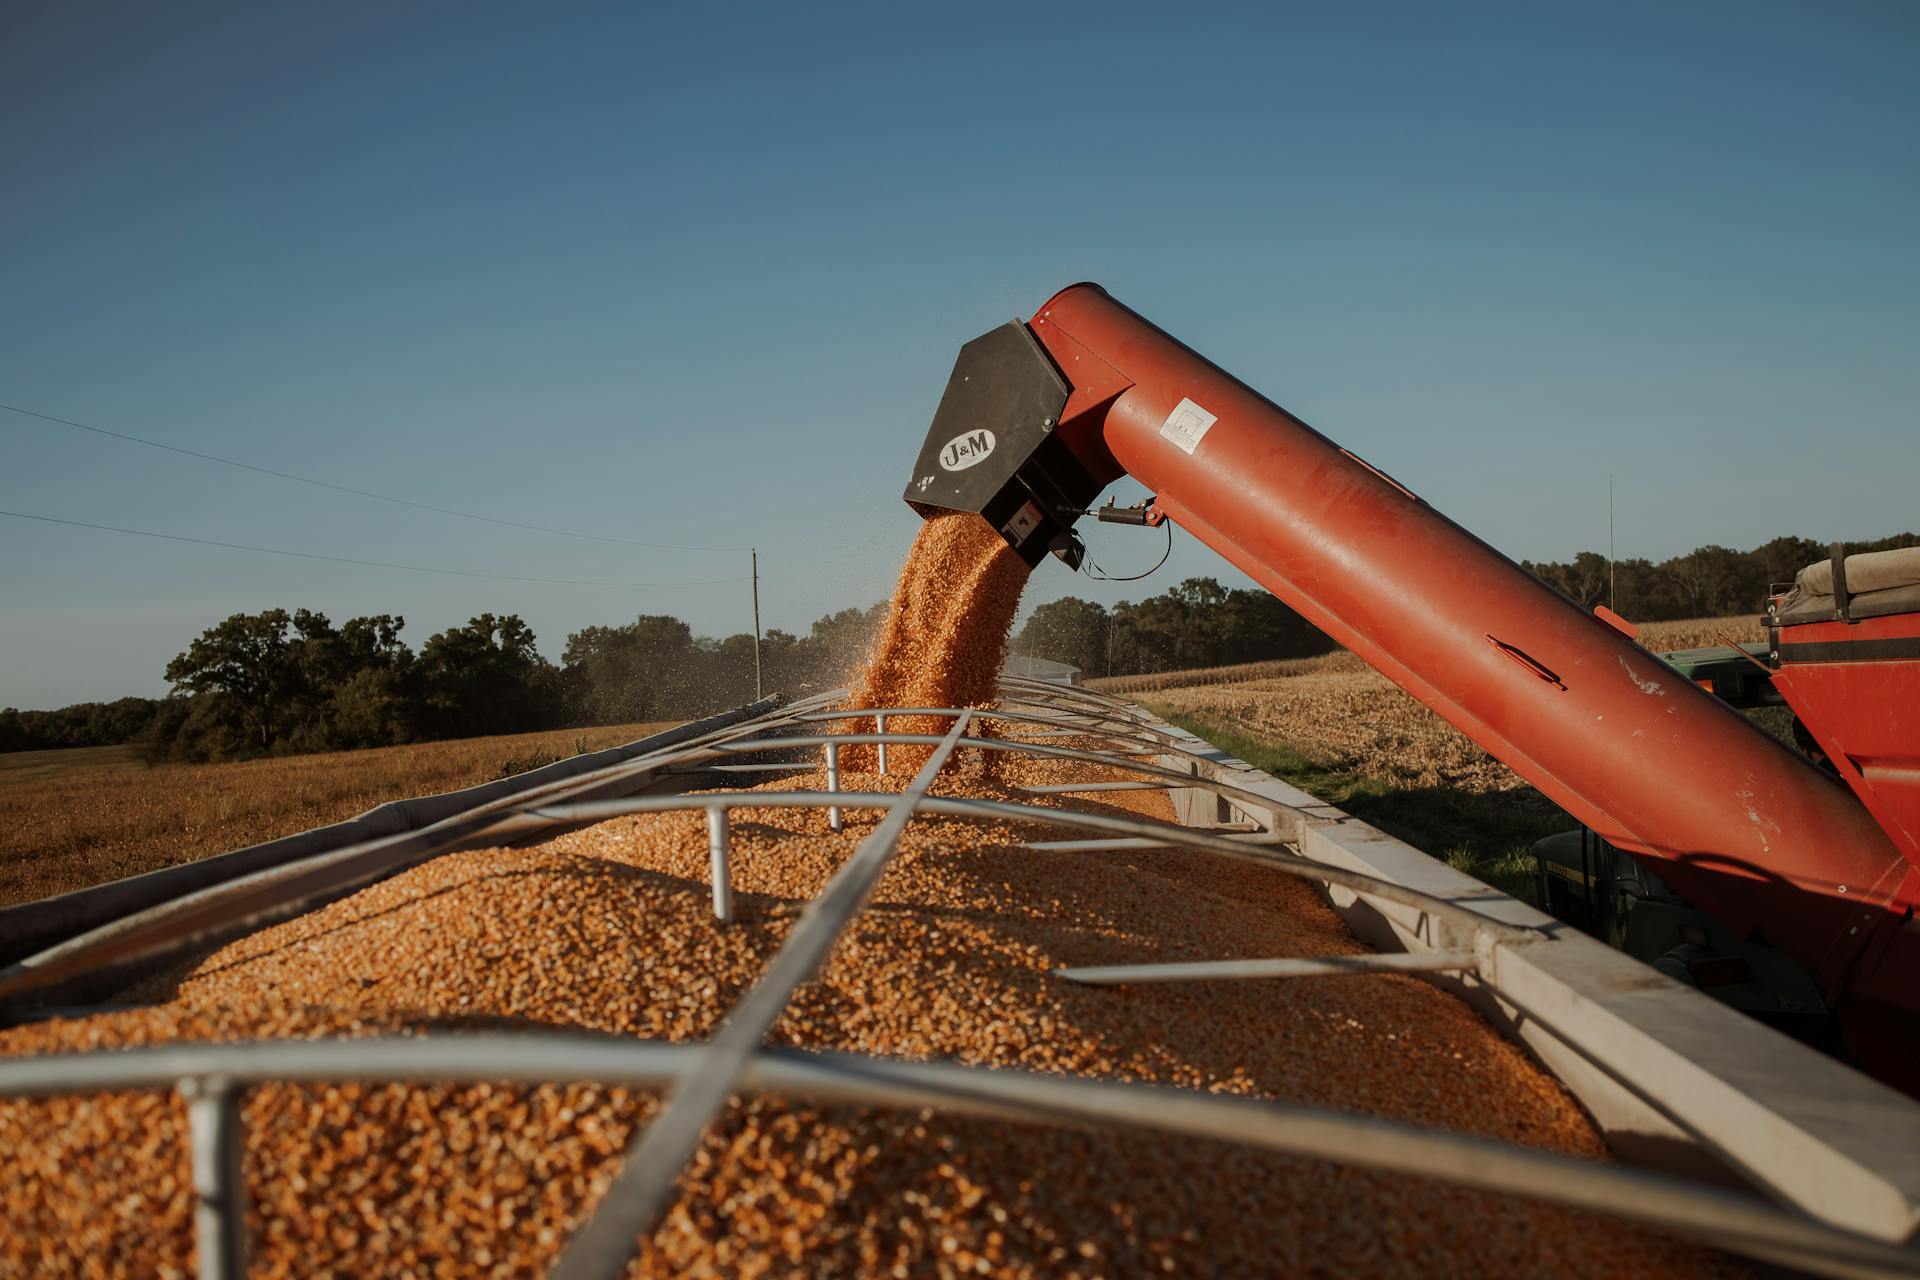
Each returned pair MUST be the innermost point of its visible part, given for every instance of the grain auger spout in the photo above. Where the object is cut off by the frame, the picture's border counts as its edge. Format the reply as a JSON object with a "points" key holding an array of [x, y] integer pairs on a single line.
{"points": [[1039, 417]]}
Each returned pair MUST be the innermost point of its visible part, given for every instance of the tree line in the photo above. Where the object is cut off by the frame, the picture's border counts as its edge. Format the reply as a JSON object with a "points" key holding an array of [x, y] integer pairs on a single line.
{"points": [[1196, 624], [1202, 624], [283, 682], [1708, 582]]}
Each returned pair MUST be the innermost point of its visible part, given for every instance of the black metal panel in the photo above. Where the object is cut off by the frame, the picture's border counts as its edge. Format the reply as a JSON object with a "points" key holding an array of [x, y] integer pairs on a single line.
{"points": [[1896, 649], [992, 450]]}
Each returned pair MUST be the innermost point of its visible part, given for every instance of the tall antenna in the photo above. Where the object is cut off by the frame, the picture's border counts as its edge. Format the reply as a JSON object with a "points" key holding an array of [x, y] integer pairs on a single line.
{"points": [[757, 695], [1611, 603]]}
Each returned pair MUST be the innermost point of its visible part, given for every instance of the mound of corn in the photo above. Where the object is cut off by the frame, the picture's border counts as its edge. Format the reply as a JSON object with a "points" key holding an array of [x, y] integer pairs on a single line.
{"points": [[609, 930]]}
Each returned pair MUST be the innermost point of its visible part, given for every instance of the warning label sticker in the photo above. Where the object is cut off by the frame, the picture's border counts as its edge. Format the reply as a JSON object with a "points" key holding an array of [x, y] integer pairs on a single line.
{"points": [[1187, 425], [1024, 522]]}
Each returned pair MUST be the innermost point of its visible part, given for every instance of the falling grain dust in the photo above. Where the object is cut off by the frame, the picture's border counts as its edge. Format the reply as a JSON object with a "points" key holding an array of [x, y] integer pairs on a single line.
{"points": [[946, 630]]}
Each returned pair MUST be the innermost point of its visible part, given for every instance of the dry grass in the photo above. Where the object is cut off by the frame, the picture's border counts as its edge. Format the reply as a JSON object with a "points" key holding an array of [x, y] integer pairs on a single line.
{"points": [[1239, 673], [1342, 731], [1661, 637], [69, 819], [1699, 633]]}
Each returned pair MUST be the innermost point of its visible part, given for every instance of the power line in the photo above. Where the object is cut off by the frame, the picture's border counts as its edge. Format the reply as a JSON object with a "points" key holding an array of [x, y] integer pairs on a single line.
{"points": [[375, 564], [359, 493]]}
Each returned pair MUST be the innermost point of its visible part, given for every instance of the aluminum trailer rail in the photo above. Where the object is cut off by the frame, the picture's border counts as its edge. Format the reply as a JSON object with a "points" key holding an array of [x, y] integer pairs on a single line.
{"points": [[1733, 1135]]}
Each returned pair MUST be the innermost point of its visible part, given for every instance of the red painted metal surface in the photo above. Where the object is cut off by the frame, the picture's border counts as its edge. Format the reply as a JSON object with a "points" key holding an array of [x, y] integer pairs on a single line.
{"points": [[1865, 714], [1744, 827]]}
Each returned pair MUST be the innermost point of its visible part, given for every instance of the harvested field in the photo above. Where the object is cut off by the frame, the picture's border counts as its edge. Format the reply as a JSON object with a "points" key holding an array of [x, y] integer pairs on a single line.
{"points": [[1347, 717], [1237, 673], [70, 819], [1341, 730], [1699, 633], [1660, 637], [608, 929]]}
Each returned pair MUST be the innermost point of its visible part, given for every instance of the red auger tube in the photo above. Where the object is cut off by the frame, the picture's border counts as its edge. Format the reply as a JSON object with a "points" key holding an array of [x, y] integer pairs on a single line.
{"points": [[1738, 823]]}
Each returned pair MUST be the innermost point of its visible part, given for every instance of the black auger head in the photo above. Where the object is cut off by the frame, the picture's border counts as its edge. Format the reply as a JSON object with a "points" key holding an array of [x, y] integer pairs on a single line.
{"points": [[994, 449]]}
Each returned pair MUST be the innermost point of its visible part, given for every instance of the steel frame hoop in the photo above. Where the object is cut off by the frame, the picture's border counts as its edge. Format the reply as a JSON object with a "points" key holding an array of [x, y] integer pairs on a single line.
{"points": [[264, 893], [1057, 720], [1744, 1225], [1226, 789], [267, 892], [643, 1188], [1044, 690], [1739, 1223], [1169, 834]]}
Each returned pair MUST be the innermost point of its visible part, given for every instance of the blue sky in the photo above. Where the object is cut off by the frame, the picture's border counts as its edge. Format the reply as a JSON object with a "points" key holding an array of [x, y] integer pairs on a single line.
{"points": [[694, 273]]}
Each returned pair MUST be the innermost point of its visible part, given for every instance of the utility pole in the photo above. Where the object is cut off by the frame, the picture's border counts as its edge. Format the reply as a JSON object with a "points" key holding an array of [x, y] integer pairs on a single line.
{"points": [[757, 695], [1612, 604]]}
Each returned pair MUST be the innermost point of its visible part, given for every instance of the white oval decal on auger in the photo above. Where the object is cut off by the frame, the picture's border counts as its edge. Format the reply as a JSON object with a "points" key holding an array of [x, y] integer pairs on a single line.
{"points": [[966, 449]]}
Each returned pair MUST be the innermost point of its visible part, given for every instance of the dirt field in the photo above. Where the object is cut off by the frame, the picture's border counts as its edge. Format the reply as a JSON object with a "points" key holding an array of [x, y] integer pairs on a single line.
{"points": [[1337, 728], [69, 819]]}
